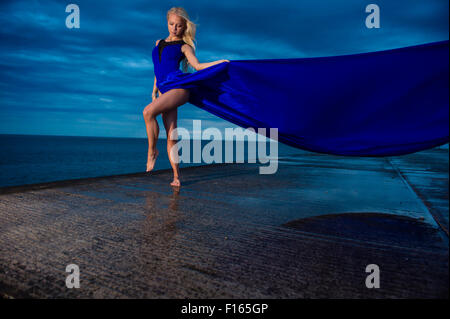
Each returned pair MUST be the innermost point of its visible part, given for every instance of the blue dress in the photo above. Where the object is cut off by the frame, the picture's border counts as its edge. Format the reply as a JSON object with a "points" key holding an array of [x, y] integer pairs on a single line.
{"points": [[383, 103], [166, 60]]}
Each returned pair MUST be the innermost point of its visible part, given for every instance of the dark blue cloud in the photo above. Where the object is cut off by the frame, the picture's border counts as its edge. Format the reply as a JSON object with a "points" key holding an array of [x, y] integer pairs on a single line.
{"points": [[97, 79]]}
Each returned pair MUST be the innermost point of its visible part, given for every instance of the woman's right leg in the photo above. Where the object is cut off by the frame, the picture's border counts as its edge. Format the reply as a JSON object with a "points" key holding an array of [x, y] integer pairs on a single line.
{"points": [[170, 124]]}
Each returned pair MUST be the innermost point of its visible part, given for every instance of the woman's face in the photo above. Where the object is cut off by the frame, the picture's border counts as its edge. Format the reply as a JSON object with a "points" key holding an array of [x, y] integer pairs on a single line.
{"points": [[176, 25]]}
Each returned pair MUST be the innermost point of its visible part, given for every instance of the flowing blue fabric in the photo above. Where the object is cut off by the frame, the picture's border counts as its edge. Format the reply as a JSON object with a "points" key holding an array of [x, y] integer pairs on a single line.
{"points": [[382, 103]]}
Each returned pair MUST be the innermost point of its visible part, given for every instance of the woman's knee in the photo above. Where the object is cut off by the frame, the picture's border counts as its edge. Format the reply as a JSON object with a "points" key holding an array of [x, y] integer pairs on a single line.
{"points": [[148, 111]]}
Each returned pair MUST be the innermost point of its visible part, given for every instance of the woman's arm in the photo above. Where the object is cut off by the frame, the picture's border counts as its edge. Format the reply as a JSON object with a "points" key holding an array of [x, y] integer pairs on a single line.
{"points": [[192, 59]]}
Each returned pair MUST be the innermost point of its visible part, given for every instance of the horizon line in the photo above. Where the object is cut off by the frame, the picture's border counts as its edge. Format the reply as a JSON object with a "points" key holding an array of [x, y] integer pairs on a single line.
{"points": [[55, 135]]}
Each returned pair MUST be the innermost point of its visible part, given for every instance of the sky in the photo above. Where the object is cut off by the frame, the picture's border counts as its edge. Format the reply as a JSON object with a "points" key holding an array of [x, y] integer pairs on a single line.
{"points": [[96, 80]]}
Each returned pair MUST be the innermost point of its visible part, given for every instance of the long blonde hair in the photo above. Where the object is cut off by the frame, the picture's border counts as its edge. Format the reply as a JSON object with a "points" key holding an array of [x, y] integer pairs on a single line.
{"points": [[189, 33]]}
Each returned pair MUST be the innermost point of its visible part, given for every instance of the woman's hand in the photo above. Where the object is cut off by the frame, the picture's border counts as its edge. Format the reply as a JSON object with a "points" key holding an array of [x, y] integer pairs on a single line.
{"points": [[155, 91], [154, 94], [214, 63]]}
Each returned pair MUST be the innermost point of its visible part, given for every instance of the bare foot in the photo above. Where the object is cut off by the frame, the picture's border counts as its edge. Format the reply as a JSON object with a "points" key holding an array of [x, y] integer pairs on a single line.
{"points": [[175, 182], [151, 160]]}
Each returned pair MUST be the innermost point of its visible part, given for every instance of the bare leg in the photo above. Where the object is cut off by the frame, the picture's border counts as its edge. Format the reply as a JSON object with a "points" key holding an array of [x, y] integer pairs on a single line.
{"points": [[170, 123], [152, 134], [164, 103]]}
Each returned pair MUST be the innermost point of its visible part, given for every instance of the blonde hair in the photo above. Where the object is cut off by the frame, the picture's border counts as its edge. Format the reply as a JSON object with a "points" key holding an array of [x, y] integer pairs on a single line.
{"points": [[189, 33]]}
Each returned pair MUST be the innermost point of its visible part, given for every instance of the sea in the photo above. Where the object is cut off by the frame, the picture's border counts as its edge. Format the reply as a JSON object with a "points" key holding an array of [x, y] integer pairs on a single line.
{"points": [[31, 159]]}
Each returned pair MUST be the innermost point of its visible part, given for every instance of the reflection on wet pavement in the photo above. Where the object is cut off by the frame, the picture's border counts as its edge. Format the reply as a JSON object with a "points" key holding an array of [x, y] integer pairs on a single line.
{"points": [[307, 231]]}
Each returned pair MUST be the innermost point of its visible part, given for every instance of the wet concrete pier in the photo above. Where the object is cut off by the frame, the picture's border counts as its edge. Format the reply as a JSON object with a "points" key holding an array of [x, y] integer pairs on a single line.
{"points": [[308, 231]]}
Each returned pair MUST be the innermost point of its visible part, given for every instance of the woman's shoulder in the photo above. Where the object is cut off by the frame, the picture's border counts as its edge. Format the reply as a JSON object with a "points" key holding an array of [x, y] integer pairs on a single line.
{"points": [[186, 46], [157, 42]]}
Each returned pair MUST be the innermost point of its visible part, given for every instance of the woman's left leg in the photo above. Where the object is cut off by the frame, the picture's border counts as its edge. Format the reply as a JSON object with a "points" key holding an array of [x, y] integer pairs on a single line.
{"points": [[164, 103]]}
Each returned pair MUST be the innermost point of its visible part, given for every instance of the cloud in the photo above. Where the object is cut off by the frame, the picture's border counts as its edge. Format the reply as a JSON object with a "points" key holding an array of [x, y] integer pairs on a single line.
{"points": [[105, 66]]}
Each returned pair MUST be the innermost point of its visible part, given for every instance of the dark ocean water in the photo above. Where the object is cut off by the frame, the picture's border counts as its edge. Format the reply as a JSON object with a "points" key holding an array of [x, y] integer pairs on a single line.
{"points": [[30, 159]]}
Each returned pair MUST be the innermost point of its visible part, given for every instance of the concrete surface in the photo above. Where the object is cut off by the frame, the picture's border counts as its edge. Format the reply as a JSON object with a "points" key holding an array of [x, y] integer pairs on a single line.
{"points": [[308, 231]]}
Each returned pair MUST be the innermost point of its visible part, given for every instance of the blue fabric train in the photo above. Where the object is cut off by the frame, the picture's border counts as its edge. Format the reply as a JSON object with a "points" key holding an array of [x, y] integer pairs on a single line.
{"points": [[381, 103]]}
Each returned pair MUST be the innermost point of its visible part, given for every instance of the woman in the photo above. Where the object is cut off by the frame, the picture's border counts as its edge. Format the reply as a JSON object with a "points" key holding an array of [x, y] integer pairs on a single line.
{"points": [[167, 55]]}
